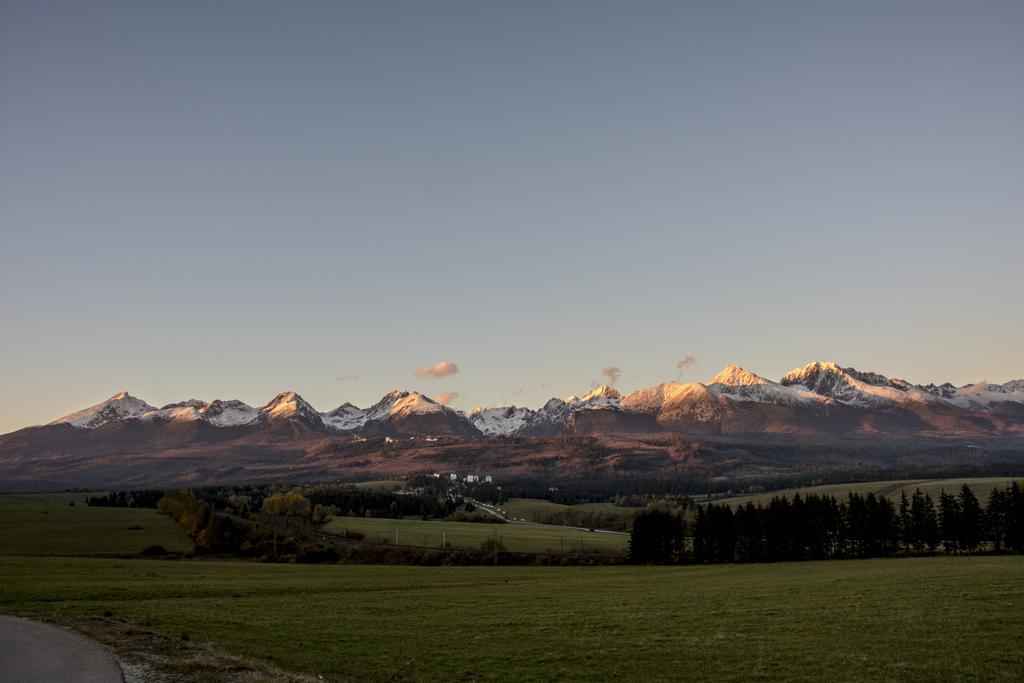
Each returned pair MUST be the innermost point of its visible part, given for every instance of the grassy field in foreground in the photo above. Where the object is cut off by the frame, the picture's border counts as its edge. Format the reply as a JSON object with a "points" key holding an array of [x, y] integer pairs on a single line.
{"points": [[515, 537], [981, 486], [46, 524], [910, 619]]}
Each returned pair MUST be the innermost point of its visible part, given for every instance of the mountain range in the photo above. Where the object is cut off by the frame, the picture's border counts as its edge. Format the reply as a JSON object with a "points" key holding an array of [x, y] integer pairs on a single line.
{"points": [[819, 398], [819, 418]]}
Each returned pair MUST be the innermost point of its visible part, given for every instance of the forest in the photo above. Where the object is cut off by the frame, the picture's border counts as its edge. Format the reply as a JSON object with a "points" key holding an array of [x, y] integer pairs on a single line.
{"points": [[815, 527]]}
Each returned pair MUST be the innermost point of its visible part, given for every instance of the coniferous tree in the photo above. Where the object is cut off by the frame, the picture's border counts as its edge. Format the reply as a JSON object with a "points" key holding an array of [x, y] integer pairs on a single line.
{"points": [[995, 519], [701, 540], [970, 519], [723, 533], [919, 522], [905, 521], [931, 528], [821, 527], [950, 522], [1014, 506], [656, 538], [749, 538]]}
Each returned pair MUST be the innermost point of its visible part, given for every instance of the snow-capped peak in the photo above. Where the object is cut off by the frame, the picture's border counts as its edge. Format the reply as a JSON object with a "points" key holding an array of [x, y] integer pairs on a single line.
{"points": [[289, 406], [602, 396], [345, 417], [120, 406], [382, 408], [417, 404], [854, 387], [982, 395], [503, 421], [735, 376], [232, 413]]}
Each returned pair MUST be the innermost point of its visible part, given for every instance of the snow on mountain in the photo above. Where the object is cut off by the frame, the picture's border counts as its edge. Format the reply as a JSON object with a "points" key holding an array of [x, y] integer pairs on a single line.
{"points": [[345, 417], [290, 406], [120, 406], [552, 418], [232, 413], [983, 395], [738, 384], [412, 413], [673, 400], [603, 397], [382, 408], [397, 403], [729, 395], [554, 406], [855, 388], [735, 376], [183, 411], [501, 421], [415, 403], [652, 400]]}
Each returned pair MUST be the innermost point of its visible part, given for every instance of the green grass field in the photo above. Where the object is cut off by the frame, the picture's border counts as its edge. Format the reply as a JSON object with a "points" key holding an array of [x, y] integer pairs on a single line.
{"points": [[45, 524], [910, 619], [981, 486], [536, 509], [515, 537]]}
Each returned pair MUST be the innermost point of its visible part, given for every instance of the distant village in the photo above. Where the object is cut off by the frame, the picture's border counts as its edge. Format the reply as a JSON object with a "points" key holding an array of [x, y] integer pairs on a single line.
{"points": [[453, 481]]}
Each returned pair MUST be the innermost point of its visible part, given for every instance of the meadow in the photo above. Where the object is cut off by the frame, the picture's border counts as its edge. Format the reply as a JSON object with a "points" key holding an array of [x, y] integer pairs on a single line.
{"points": [[943, 618], [981, 486], [514, 537], [47, 524], [536, 509]]}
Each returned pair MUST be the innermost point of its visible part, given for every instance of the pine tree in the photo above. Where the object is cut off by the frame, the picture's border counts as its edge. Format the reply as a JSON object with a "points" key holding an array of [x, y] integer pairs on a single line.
{"points": [[905, 522], [920, 511], [656, 538], [970, 519], [931, 528], [701, 541], [995, 519], [950, 521], [1015, 518]]}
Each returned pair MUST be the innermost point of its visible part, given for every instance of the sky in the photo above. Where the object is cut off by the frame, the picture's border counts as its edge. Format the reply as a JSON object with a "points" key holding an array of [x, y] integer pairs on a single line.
{"points": [[234, 199]]}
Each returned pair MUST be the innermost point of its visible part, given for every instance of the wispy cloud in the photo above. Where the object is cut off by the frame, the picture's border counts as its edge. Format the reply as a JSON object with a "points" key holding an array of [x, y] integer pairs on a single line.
{"points": [[346, 378], [612, 373], [446, 397], [441, 369], [685, 363]]}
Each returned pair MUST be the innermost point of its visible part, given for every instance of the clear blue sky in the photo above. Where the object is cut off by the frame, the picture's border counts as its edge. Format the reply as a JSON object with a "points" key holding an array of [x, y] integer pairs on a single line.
{"points": [[233, 199]]}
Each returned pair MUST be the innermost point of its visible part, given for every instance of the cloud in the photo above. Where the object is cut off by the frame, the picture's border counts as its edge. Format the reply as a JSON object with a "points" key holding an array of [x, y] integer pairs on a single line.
{"points": [[612, 373], [685, 363], [442, 369], [446, 397], [346, 378]]}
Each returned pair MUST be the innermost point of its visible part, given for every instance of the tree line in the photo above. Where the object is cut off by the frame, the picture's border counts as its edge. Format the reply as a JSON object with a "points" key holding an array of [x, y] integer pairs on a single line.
{"points": [[815, 527]]}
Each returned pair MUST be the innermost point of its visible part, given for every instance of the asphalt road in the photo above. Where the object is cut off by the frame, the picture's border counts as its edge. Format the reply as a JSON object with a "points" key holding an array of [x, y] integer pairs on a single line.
{"points": [[31, 651]]}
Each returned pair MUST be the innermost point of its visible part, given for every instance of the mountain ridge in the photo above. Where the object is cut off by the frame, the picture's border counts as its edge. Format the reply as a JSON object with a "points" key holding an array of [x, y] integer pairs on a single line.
{"points": [[818, 397]]}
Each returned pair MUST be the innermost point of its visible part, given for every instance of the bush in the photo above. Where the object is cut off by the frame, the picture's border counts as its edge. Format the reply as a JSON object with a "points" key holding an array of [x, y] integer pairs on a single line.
{"points": [[316, 555], [154, 551]]}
